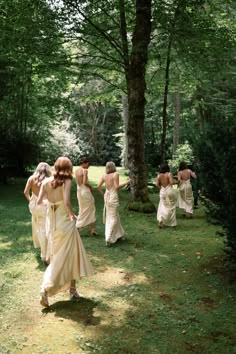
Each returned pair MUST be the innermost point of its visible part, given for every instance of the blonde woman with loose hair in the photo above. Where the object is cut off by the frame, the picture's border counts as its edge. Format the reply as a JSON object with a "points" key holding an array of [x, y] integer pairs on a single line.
{"points": [[111, 217], [38, 212], [69, 260], [110, 167]]}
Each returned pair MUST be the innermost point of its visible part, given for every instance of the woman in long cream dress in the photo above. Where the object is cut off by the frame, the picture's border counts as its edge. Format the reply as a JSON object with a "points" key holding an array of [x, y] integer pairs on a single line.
{"points": [[69, 260], [185, 199], [87, 210], [38, 212], [111, 217], [166, 212]]}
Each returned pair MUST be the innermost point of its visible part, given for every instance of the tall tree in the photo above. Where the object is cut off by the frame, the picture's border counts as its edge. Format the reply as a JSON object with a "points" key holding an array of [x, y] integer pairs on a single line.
{"points": [[136, 99], [176, 122], [116, 36]]}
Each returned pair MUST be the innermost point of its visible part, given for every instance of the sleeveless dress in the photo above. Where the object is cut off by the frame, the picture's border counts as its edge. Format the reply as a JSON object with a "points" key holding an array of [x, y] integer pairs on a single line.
{"points": [[185, 198], [86, 207], [68, 259], [111, 217], [38, 219], [166, 212]]}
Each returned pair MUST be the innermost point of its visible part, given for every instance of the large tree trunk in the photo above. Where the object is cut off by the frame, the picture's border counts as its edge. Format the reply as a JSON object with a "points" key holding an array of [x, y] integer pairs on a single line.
{"points": [[165, 102], [201, 114], [136, 100], [125, 115], [176, 122], [167, 82]]}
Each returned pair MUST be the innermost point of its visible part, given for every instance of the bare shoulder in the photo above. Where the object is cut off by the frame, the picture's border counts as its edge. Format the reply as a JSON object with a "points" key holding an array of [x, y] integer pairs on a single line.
{"points": [[78, 171], [31, 179]]}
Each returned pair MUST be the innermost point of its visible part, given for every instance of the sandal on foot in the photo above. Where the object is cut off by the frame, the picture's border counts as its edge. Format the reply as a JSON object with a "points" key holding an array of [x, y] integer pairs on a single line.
{"points": [[44, 299], [74, 295], [93, 232]]}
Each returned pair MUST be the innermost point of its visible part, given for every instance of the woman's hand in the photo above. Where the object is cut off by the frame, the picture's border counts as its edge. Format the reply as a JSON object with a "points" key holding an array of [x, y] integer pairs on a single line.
{"points": [[73, 217]]}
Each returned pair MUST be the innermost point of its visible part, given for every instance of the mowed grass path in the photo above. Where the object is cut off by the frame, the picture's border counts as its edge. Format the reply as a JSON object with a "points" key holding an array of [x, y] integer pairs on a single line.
{"points": [[160, 291]]}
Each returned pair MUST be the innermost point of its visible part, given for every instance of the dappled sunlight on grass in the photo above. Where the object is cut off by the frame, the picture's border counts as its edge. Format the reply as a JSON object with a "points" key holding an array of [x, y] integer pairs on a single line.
{"points": [[160, 291]]}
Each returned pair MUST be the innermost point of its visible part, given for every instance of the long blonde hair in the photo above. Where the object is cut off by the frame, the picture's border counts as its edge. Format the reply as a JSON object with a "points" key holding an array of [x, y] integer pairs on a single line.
{"points": [[110, 167], [42, 171]]}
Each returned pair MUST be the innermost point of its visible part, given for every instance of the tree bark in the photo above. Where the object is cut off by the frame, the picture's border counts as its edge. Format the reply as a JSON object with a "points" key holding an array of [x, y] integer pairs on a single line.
{"points": [[125, 115], [165, 102], [167, 81], [136, 99], [176, 122]]}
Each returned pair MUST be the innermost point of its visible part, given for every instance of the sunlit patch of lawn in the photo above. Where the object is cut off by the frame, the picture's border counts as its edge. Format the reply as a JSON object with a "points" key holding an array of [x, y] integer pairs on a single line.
{"points": [[160, 291]]}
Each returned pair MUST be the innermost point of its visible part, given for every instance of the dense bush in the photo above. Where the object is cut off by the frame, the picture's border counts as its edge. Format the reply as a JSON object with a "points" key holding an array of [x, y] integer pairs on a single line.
{"points": [[216, 151], [17, 153]]}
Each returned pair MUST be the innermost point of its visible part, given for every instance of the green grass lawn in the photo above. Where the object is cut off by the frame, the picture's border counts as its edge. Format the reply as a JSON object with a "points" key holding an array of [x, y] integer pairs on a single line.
{"points": [[160, 291]]}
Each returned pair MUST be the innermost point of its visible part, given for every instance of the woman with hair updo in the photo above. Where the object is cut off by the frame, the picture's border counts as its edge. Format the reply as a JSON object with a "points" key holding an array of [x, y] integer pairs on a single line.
{"points": [[185, 199], [85, 198], [38, 212], [166, 213], [68, 260], [111, 217]]}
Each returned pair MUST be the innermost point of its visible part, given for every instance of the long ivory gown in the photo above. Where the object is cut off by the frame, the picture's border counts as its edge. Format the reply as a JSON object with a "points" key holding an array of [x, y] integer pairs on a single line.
{"points": [[185, 198], [38, 219], [111, 217], [68, 259], [166, 212], [86, 207]]}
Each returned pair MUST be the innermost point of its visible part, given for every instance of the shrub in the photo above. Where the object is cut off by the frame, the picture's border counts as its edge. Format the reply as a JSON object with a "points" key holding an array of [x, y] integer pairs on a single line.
{"points": [[216, 151]]}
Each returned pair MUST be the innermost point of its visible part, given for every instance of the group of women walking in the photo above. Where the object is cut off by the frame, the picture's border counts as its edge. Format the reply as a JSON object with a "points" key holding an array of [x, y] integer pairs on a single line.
{"points": [[55, 227], [169, 198]]}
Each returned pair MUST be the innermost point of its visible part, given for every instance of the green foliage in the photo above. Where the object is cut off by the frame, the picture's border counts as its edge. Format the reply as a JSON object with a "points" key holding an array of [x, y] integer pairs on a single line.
{"points": [[96, 122], [62, 142], [17, 152], [29, 37], [184, 152], [217, 155]]}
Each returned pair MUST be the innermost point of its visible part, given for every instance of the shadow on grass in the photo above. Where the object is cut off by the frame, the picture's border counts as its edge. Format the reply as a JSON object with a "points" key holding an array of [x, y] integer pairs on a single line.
{"points": [[156, 298], [78, 311]]}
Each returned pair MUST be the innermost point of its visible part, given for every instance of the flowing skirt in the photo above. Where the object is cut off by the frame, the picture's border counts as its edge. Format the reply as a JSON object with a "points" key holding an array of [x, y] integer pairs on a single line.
{"points": [[185, 198], [38, 218], [86, 207], [166, 212], [111, 217], [68, 259]]}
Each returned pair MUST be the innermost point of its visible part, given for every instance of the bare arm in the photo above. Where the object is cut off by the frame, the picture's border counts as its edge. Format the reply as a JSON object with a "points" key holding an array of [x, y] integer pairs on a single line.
{"points": [[171, 179], [67, 202], [28, 188], [116, 182], [192, 174], [157, 182], [99, 186]]}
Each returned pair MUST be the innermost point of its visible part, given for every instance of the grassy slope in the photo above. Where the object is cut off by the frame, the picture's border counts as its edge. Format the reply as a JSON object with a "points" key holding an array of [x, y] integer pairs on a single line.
{"points": [[160, 291]]}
